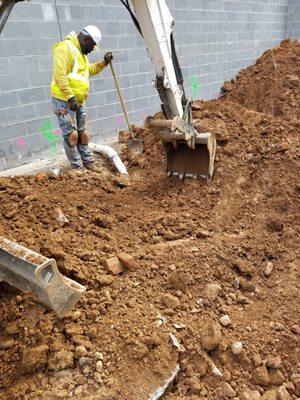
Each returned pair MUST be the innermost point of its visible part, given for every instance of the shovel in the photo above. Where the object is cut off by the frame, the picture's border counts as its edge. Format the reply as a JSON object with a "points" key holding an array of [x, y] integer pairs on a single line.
{"points": [[135, 144]]}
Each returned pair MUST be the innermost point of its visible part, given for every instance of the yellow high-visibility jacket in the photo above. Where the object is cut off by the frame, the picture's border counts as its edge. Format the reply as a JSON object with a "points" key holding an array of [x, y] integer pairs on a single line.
{"points": [[71, 70]]}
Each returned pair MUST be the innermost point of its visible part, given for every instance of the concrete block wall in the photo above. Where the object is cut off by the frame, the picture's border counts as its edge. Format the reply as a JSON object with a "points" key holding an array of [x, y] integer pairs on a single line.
{"points": [[293, 20], [214, 38]]}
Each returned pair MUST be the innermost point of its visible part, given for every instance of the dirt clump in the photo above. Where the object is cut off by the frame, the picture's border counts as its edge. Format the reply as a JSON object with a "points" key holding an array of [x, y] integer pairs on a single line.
{"points": [[188, 253]]}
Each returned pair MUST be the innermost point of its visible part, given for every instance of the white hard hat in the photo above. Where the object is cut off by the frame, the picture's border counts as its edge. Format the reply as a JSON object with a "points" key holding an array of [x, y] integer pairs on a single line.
{"points": [[93, 32]]}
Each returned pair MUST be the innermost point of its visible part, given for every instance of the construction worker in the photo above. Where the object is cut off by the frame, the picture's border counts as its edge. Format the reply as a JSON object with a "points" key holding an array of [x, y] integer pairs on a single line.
{"points": [[69, 91]]}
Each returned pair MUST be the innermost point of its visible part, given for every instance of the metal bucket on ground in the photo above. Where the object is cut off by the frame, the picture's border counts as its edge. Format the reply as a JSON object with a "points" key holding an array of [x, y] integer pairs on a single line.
{"points": [[27, 271]]}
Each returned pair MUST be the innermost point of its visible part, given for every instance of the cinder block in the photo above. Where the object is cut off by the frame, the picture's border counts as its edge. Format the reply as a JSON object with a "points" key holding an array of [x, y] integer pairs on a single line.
{"points": [[81, 12], [105, 13], [27, 96], [8, 155], [39, 78], [9, 99], [3, 120], [121, 14], [9, 48], [145, 66], [27, 12], [121, 56], [12, 131], [118, 27], [46, 62], [127, 42], [24, 63], [106, 111], [21, 113], [34, 126], [44, 29], [44, 108], [96, 99], [130, 68], [49, 12], [17, 29]]}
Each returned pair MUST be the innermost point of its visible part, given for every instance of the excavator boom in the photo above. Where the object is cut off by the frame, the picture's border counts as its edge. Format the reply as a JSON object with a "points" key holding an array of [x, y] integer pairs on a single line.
{"points": [[188, 152]]}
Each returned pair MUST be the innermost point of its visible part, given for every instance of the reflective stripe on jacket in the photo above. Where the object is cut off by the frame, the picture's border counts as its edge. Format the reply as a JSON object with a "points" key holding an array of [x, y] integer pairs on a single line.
{"points": [[71, 70]]}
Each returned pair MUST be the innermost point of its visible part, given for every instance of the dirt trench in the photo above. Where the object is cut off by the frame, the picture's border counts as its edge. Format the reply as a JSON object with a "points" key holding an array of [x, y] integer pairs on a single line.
{"points": [[215, 265]]}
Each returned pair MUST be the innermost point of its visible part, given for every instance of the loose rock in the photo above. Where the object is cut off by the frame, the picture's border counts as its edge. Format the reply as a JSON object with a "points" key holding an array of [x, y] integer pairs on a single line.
{"points": [[268, 270], [276, 377], [128, 261], [211, 336], [113, 266], [269, 395], [225, 390], [257, 361], [97, 377], [260, 376], [35, 359], [170, 301], [78, 390], [61, 360], [237, 348], [179, 281], [99, 366], [283, 394], [80, 351], [194, 384], [6, 342], [212, 291], [250, 395], [225, 320], [296, 381], [273, 362], [296, 329]]}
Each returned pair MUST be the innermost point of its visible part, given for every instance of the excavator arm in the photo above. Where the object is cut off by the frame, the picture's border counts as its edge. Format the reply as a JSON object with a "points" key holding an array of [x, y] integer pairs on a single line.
{"points": [[189, 153]]}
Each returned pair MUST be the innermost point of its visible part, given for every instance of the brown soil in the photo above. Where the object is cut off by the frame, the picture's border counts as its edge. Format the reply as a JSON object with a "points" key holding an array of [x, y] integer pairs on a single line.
{"points": [[239, 233]]}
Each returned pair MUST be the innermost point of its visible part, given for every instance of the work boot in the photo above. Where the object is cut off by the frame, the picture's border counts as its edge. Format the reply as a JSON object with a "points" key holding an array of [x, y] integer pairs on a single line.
{"points": [[90, 166]]}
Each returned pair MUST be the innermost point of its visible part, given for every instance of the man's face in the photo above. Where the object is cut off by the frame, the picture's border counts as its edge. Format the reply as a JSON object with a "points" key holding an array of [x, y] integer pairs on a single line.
{"points": [[87, 45]]}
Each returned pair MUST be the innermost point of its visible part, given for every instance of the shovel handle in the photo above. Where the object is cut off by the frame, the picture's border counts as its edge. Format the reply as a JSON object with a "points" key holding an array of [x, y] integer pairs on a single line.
{"points": [[121, 98]]}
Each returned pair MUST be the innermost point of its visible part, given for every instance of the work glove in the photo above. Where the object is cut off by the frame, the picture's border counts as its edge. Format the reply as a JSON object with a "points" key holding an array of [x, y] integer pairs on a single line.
{"points": [[72, 103], [108, 57]]}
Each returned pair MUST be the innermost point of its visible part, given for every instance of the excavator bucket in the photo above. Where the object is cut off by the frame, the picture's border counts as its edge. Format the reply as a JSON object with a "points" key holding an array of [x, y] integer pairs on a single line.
{"points": [[184, 161], [29, 271], [189, 152]]}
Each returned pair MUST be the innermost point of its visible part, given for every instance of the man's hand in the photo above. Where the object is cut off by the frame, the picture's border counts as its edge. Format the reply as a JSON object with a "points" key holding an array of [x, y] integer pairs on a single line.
{"points": [[108, 57], [72, 103]]}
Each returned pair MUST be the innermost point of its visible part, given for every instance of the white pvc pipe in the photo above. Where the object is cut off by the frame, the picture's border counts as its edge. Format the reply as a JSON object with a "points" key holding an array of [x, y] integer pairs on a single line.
{"points": [[111, 154]]}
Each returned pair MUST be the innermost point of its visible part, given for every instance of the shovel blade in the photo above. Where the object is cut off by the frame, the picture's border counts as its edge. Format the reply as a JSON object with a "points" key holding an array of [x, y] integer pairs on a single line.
{"points": [[136, 146]]}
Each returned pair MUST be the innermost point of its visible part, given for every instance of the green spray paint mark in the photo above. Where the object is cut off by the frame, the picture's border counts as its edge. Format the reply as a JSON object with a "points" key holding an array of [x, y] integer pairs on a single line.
{"points": [[195, 86], [47, 132]]}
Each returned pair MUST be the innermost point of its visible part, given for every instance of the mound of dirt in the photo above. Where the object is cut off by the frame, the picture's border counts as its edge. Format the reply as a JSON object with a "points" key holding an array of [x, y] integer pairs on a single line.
{"points": [[208, 295], [272, 84]]}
